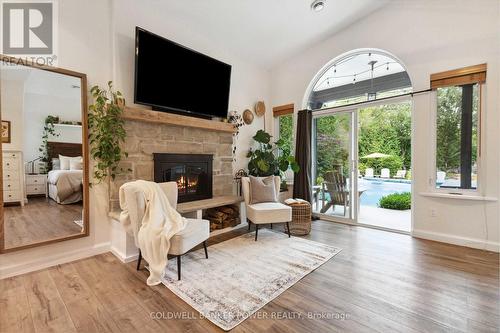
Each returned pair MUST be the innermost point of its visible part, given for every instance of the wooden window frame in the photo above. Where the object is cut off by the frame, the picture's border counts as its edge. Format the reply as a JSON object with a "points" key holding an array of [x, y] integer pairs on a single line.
{"points": [[459, 77], [283, 110], [280, 111], [464, 77]]}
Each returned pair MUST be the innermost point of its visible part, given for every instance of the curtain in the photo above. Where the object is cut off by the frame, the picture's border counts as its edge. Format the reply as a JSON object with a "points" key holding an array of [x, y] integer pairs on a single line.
{"points": [[302, 179]]}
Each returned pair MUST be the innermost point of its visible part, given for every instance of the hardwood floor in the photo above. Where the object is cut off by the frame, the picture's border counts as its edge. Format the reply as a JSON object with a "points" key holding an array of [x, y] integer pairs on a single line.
{"points": [[380, 282], [39, 220]]}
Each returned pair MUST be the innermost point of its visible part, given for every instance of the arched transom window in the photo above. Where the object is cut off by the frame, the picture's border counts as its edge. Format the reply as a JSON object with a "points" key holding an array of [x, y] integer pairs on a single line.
{"points": [[358, 77]]}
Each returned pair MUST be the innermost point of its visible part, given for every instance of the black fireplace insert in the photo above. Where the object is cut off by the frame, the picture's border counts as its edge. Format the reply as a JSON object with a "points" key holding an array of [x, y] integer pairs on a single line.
{"points": [[191, 172]]}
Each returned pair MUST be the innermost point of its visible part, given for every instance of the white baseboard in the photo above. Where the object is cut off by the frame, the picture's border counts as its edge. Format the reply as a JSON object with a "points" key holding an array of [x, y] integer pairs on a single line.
{"points": [[48, 261], [123, 258], [458, 240]]}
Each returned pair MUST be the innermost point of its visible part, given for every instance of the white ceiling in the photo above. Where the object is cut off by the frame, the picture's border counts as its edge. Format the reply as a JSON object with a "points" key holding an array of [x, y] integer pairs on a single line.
{"points": [[267, 32]]}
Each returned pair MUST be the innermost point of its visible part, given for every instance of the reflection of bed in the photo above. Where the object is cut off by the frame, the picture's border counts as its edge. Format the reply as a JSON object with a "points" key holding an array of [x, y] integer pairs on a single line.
{"points": [[64, 186]]}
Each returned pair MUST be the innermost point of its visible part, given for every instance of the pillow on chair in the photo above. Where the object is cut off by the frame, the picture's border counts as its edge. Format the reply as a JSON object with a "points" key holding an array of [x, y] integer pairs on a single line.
{"points": [[262, 189]]}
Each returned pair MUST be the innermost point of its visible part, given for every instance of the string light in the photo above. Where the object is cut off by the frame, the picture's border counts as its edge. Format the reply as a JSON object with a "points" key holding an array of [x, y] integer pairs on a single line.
{"points": [[326, 80]]}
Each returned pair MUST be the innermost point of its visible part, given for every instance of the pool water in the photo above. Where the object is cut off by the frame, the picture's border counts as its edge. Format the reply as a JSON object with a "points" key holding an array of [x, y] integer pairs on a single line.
{"points": [[377, 188]]}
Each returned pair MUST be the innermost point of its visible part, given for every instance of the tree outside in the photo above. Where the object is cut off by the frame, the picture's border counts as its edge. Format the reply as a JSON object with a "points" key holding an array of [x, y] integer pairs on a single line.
{"points": [[449, 113], [286, 130], [383, 129]]}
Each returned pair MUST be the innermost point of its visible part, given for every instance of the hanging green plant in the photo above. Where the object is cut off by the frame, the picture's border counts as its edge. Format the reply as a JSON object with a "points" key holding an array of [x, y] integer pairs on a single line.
{"points": [[106, 132], [49, 130]]}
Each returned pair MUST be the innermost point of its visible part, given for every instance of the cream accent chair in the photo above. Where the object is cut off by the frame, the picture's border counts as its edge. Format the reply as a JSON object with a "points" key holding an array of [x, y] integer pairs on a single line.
{"points": [[265, 212], [440, 177], [195, 233]]}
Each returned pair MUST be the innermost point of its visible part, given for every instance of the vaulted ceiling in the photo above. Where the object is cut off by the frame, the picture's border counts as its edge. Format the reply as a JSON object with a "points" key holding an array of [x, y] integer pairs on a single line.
{"points": [[268, 31]]}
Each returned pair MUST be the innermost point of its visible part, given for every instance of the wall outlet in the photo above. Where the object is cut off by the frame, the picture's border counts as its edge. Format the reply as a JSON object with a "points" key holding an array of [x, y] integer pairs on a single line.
{"points": [[433, 212]]}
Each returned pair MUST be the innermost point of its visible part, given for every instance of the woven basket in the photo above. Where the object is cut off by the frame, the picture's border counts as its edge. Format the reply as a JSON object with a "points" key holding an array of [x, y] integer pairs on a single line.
{"points": [[301, 219]]}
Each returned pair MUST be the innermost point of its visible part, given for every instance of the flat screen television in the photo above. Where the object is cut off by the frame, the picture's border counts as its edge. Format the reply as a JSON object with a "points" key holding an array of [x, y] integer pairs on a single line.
{"points": [[173, 78]]}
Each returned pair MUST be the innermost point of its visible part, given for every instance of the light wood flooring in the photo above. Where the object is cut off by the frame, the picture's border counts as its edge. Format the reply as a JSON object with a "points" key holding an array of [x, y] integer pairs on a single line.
{"points": [[381, 281], [39, 220]]}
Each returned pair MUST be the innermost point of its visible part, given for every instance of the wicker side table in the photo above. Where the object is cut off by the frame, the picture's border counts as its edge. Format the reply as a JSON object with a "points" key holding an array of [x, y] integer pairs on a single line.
{"points": [[301, 219]]}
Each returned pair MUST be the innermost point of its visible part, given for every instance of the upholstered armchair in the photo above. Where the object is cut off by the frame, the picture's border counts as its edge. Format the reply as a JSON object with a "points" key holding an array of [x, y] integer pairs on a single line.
{"points": [[265, 212], [196, 231]]}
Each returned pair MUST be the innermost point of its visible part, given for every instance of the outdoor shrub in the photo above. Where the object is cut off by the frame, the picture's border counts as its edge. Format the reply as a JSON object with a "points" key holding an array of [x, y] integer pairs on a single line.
{"points": [[362, 167], [398, 201]]}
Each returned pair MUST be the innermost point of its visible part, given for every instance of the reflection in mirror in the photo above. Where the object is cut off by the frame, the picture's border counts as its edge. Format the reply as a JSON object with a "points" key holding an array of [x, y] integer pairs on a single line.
{"points": [[42, 161]]}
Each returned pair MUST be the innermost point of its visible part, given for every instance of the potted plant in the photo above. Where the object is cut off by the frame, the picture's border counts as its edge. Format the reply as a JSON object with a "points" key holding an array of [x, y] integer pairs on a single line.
{"points": [[106, 132], [49, 131], [270, 158]]}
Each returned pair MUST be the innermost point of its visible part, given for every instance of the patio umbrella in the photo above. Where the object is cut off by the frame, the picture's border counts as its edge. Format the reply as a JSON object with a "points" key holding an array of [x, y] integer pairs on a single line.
{"points": [[376, 155]]}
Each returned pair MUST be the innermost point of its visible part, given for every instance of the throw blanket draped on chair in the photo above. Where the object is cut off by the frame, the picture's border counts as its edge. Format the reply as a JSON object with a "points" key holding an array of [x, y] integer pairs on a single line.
{"points": [[159, 223]]}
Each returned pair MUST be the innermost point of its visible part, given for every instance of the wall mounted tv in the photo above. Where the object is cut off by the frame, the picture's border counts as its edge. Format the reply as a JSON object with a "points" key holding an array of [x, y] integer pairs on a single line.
{"points": [[172, 78]]}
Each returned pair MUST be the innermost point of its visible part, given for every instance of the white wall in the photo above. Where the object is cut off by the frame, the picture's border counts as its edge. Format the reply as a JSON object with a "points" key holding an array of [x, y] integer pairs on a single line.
{"points": [[248, 82], [96, 37], [45, 94], [28, 97], [12, 110], [429, 37]]}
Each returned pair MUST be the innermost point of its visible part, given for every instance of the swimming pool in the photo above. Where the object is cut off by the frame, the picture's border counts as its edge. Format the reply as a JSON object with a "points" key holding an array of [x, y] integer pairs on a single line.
{"points": [[377, 188]]}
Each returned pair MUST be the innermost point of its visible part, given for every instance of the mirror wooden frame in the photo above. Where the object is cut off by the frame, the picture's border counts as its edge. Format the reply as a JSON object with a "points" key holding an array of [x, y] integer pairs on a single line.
{"points": [[85, 155]]}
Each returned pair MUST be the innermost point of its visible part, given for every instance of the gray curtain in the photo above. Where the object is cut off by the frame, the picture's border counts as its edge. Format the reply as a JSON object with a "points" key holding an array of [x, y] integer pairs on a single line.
{"points": [[302, 179]]}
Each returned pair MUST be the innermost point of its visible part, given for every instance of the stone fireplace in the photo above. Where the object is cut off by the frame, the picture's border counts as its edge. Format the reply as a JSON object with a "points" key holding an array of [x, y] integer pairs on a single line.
{"points": [[144, 139], [191, 172]]}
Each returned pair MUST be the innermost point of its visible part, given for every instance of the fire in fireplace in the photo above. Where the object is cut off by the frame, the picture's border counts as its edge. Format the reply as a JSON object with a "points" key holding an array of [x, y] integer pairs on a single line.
{"points": [[191, 172]]}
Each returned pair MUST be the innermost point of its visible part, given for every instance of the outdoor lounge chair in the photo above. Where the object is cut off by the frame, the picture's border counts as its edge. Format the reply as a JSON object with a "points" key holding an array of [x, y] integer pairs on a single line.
{"points": [[400, 174], [336, 186], [385, 173], [369, 173], [440, 177]]}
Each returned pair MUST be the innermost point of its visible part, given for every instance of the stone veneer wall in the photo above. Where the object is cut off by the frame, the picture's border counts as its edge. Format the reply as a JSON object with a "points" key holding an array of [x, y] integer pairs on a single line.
{"points": [[144, 139]]}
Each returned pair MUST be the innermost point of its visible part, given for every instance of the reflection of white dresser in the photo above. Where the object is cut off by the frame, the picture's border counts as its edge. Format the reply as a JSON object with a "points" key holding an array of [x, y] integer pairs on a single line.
{"points": [[13, 176]]}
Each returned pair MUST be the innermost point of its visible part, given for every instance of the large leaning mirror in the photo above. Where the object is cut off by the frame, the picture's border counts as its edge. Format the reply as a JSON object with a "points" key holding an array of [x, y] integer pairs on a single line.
{"points": [[44, 155]]}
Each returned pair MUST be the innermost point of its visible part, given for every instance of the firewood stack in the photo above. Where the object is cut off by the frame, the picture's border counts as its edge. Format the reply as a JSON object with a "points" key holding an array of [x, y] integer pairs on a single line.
{"points": [[223, 217]]}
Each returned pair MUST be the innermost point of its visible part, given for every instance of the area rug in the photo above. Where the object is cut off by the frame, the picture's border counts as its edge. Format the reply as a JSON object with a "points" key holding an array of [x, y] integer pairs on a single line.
{"points": [[241, 275]]}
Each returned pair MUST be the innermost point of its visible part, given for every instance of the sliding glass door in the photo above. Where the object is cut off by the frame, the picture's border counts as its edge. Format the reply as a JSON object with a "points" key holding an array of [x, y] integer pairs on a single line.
{"points": [[333, 165], [362, 165]]}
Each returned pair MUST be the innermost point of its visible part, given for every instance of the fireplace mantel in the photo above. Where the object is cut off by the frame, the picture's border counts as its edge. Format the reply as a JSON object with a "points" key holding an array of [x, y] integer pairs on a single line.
{"points": [[140, 114]]}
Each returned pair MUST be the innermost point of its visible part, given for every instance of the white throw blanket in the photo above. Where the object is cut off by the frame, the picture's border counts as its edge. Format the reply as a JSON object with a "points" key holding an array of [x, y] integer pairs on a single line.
{"points": [[153, 229]]}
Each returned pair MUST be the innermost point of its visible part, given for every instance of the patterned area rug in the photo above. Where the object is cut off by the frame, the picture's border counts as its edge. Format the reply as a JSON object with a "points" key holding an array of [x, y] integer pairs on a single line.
{"points": [[241, 275]]}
